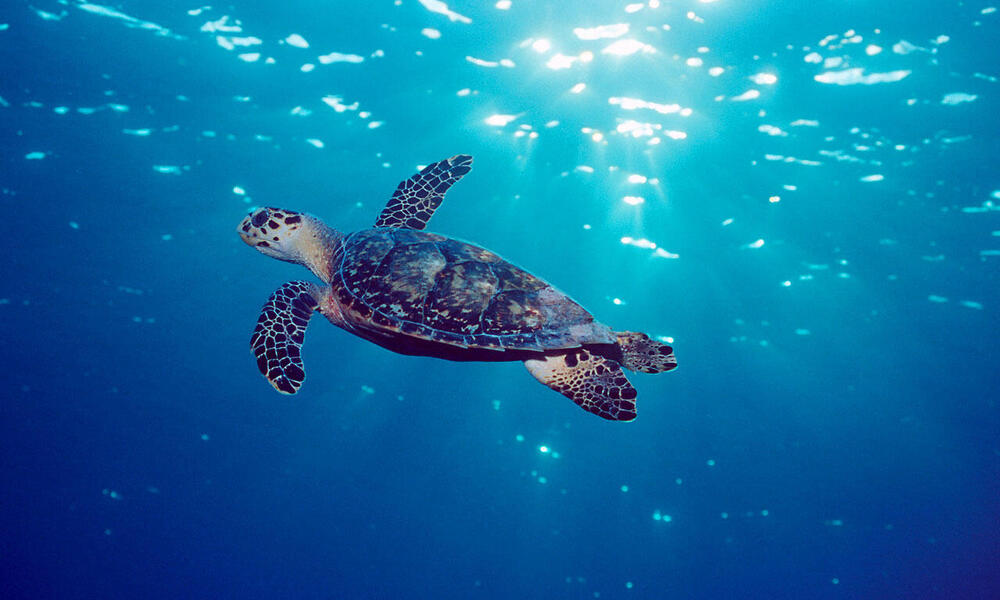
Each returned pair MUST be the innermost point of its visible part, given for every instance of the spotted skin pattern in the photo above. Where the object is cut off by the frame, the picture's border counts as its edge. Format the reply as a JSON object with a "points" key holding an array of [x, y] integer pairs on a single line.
{"points": [[416, 199], [639, 353], [595, 383], [261, 225], [277, 340]]}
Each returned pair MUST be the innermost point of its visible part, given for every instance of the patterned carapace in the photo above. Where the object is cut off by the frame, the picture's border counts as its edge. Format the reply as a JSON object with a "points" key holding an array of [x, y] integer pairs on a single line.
{"points": [[441, 289]]}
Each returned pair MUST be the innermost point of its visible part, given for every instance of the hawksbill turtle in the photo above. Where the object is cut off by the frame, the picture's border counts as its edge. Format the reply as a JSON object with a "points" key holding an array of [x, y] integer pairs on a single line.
{"points": [[420, 293]]}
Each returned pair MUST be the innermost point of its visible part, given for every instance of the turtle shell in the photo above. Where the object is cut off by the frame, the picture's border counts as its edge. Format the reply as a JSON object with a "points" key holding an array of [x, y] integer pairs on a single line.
{"points": [[430, 287]]}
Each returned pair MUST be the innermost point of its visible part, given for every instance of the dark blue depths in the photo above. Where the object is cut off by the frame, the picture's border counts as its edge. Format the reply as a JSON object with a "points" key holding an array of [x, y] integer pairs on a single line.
{"points": [[825, 264]]}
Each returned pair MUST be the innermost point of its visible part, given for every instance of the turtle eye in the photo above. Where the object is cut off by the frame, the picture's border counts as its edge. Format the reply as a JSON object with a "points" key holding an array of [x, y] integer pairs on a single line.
{"points": [[259, 218]]}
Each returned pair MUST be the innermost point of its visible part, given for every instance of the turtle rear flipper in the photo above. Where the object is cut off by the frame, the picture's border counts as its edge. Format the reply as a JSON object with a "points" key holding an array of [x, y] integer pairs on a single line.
{"points": [[595, 383], [277, 339], [639, 353], [415, 199]]}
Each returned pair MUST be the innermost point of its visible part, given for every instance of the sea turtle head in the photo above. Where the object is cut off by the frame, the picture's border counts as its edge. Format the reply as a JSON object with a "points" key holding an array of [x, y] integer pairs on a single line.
{"points": [[291, 236], [275, 232]]}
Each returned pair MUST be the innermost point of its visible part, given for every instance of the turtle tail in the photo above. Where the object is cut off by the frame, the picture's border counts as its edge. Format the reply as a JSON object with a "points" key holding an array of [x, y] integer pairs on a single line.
{"points": [[640, 353]]}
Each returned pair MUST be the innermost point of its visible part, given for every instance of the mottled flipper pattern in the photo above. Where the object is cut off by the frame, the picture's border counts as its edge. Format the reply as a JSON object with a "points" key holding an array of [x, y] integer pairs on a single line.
{"points": [[639, 353], [277, 340], [415, 200], [596, 383]]}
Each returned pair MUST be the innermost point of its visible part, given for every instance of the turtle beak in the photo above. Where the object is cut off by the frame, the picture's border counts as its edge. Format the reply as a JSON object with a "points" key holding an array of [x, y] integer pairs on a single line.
{"points": [[246, 231]]}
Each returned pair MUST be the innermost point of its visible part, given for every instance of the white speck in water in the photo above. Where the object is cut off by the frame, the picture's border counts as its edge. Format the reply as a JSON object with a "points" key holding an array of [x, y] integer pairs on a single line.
{"points": [[439, 7], [337, 103], [499, 120], [601, 31], [764, 78], [747, 95], [297, 40], [771, 130], [339, 57], [627, 47], [541, 45], [560, 61], [857, 76], [958, 98]]}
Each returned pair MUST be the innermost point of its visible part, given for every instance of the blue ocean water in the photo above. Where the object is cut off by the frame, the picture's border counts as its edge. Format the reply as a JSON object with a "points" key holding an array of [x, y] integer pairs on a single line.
{"points": [[802, 198]]}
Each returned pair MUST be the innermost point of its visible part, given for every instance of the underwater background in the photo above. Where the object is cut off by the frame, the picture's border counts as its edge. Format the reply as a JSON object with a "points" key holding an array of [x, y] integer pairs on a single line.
{"points": [[801, 197]]}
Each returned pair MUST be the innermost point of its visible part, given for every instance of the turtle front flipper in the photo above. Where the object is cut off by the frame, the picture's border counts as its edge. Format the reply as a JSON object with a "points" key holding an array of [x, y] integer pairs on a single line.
{"points": [[596, 383], [415, 200], [277, 340]]}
